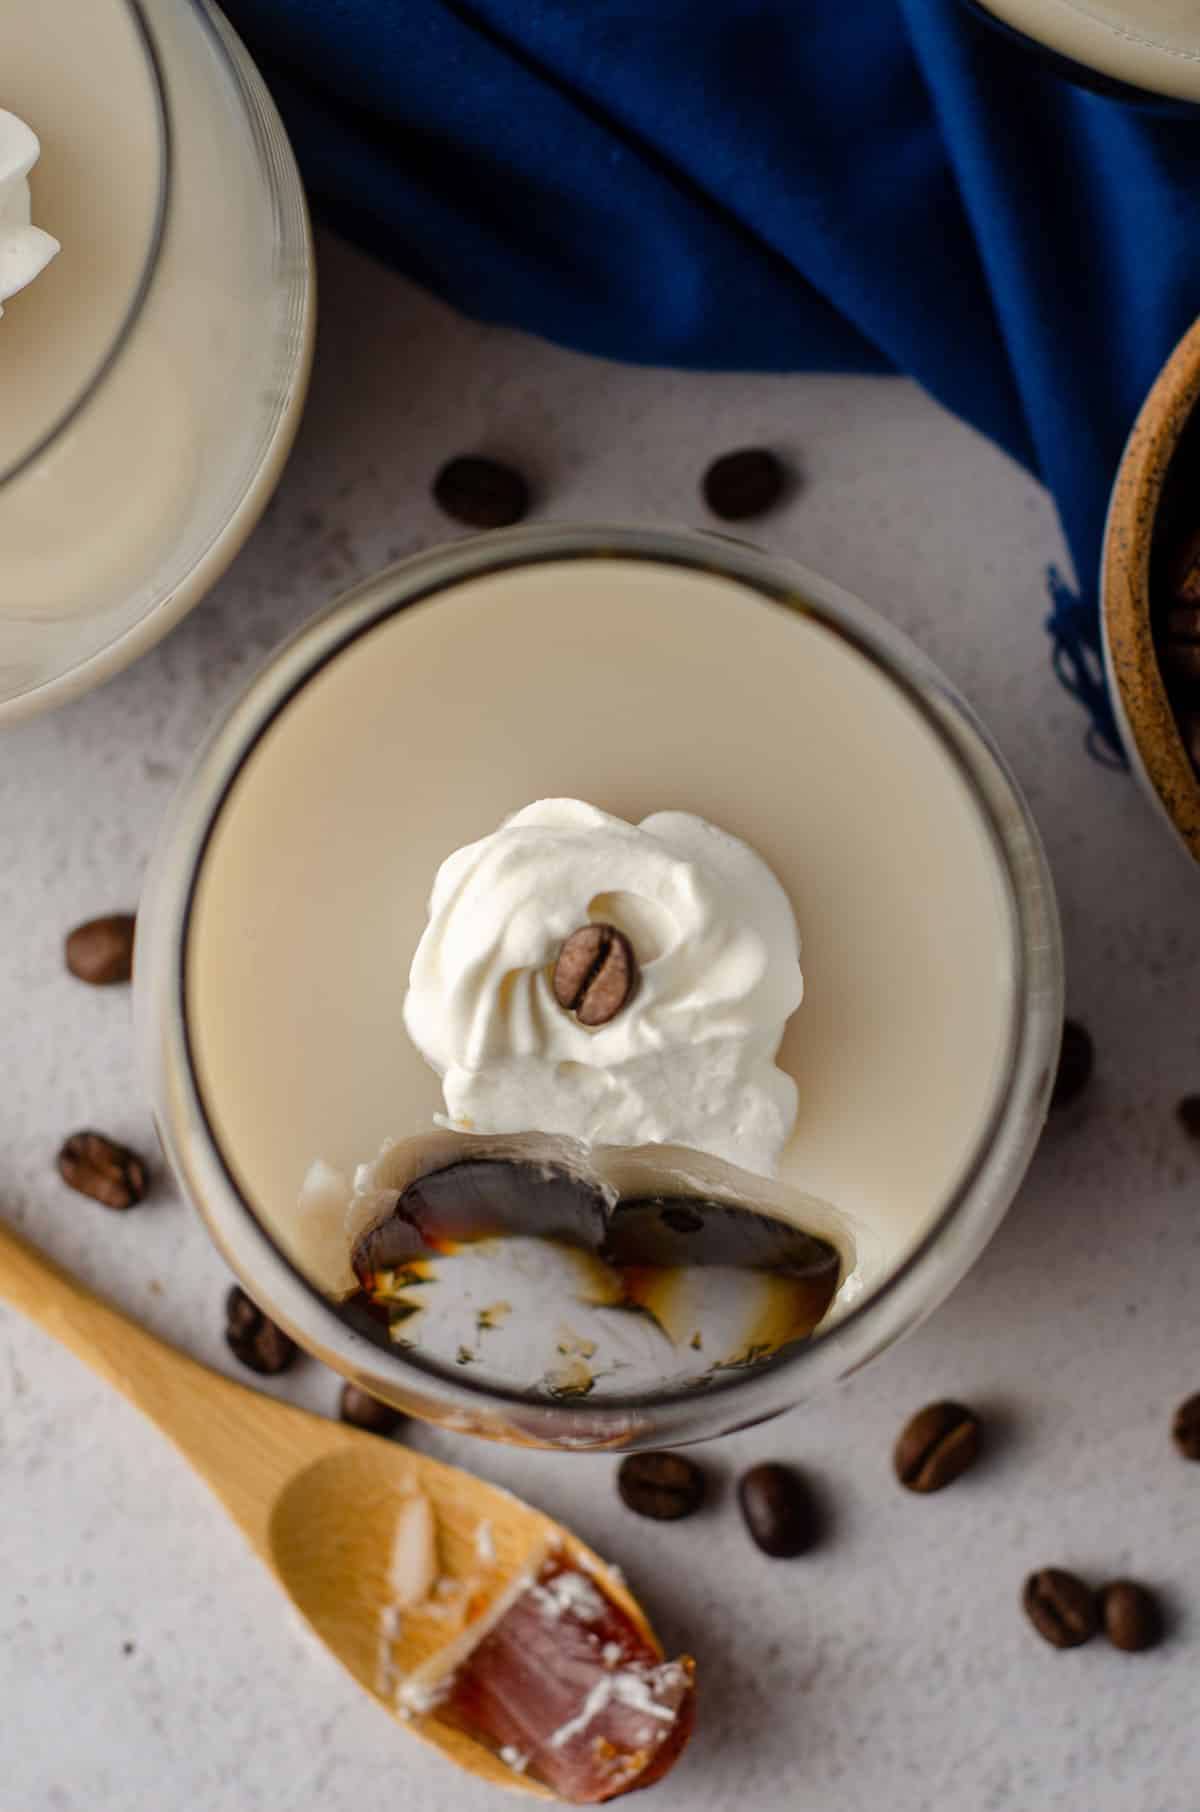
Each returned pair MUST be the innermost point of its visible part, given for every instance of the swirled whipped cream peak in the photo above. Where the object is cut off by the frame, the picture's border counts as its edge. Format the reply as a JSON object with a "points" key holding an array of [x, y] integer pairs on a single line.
{"points": [[689, 1057], [25, 250]]}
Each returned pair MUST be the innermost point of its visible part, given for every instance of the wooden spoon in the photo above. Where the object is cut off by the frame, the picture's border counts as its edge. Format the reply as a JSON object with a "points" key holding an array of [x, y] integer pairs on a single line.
{"points": [[316, 1500]]}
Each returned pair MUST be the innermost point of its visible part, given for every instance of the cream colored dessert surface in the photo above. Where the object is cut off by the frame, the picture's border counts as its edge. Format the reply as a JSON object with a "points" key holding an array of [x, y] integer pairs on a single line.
{"points": [[640, 687], [134, 487], [78, 75], [1153, 44]]}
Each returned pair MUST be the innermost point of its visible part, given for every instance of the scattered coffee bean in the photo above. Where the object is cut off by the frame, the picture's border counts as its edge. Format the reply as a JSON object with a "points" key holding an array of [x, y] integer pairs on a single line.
{"points": [[1060, 1607], [1186, 1428], [254, 1338], [99, 1167], [1183, 570], [1188, 1114], [595, 974], [481, 492], [101, 952], [1181, 641], [1132, 1617], [1075, 1062], [938, 1445], [743, 484], [664, 1486], [362, 1410], [779, 1510]]}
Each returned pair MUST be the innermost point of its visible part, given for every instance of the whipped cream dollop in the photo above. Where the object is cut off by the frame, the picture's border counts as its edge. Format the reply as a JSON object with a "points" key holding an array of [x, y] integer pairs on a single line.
{"points": [[689, 1060], [25, 250]]}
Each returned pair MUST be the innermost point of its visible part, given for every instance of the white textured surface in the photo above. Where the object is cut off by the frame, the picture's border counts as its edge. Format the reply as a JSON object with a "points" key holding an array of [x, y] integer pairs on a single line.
{"points": [[146, 1660]]}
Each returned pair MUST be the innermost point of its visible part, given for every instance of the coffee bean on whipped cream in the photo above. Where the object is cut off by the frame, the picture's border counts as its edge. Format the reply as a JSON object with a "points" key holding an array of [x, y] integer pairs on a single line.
{"points": [[481, 493], [1076, 1060], [746, 483], [99, 1167], [254, 1338], [100, 952], [1181, 643], [1061, 1608], [595, 974], [937, 1446]]}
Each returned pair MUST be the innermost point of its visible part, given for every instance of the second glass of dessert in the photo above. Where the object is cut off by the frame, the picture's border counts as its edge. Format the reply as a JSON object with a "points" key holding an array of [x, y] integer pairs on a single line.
{"points": [[155, 281], [599, 986]]}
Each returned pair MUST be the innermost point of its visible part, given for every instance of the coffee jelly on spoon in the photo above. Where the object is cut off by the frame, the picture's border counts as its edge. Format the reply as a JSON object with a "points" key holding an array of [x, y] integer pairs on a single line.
{"points": [[604, 1003]]}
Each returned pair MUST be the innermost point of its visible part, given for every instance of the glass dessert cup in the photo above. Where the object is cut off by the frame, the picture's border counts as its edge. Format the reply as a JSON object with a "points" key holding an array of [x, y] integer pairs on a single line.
{"points": [[251, 1028], [154, 373]]}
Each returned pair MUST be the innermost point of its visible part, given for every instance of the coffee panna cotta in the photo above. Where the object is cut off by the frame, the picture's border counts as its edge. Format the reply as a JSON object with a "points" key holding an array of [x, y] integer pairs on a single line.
{"points": [[738, 713], [622, 1063]]}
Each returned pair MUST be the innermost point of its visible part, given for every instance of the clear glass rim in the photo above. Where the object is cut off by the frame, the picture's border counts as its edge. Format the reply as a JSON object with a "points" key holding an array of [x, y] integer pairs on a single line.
{"points": [[141, 291], [972, 1209]]}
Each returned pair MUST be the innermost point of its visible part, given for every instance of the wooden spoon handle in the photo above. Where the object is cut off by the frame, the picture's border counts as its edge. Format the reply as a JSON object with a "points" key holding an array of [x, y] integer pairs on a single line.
{"points": [[212, 1421]]}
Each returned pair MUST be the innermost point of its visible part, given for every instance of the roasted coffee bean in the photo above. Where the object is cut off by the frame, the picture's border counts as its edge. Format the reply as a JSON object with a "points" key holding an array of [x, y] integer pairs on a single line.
{"points": [[779, 1509], [1060, 1607], [254, 1338], [101, 952], [1185, 1428], [595, 974], [1188, 1115], [481, 492], [1183, 570], [664, 1486], [362, 1410], [938, 1445], [1076, 1059], [1181, 641], [99, 1167], [1132, 1617], [743, 484]]}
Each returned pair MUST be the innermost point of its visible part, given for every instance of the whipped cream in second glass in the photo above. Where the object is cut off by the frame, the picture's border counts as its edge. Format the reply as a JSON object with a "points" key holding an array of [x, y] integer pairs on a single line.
{"points": [[25, 250], [689, 1060]]}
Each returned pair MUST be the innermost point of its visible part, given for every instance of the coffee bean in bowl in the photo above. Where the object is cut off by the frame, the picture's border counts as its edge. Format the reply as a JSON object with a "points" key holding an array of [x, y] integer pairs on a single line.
{"points": [[99, 1167], [662, 1486], [1132, 1616], [254, 1338], [100, 952], [779, 1510], [937, 1446], [1061, 1608]]}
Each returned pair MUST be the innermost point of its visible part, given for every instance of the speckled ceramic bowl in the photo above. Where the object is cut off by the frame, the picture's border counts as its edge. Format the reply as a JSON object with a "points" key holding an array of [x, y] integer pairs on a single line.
{"points": [[1148, 726]]}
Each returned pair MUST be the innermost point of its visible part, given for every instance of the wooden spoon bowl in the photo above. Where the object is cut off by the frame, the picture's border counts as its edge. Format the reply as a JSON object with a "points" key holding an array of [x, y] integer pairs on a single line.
{"points": [[318, 1501]]}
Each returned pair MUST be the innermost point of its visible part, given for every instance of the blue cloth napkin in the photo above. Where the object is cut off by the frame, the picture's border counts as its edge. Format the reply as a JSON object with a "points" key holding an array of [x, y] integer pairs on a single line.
{"points": [[843, 185]]}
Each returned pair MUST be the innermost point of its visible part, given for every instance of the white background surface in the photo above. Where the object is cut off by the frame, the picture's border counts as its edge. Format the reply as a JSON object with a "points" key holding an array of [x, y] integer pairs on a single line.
{"points": [[145, 1658]]}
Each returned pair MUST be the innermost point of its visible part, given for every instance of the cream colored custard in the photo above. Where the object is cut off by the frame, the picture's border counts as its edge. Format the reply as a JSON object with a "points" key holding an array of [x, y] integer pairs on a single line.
{"points": [[639, 687], [136, 371]]}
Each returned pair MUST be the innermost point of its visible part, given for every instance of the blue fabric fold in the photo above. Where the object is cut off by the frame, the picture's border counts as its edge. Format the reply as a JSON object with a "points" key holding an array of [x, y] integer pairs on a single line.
{"points": [[881, 185]]}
